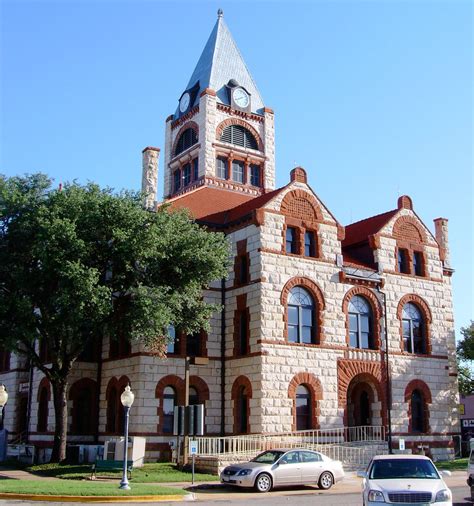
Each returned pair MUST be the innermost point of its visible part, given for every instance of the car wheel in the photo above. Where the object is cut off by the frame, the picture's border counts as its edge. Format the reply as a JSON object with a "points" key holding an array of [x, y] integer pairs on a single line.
{"points": [[325, 480], [263, 483]]}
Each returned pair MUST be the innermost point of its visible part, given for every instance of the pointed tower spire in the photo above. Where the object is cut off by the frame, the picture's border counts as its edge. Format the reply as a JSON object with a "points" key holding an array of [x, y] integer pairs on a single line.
{"points": [[220, 62]]}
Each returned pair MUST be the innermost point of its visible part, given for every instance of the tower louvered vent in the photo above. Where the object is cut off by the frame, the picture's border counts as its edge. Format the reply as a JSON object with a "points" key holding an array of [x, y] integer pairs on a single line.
{"points": [[240, 136], [188, 138]]}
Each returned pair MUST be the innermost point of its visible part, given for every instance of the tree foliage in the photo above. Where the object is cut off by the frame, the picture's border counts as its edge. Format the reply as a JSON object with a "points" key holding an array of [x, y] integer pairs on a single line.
{"points": [[465, 355], [82, 262]]}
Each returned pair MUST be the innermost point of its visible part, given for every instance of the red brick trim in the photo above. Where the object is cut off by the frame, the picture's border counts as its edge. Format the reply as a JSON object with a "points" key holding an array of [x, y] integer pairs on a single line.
{"points": [[295, 204], [427, 319], [190, 124], [376, 311], [420, 385], [241, 381], [74, 391], [235, 112], [318, 297], [180, 121], [208, 91], [119, 386], [298, 174], [370, 372], [44, 383], [237, 121], [316, 394], [151, 148], [407, 228], [405, 202]]}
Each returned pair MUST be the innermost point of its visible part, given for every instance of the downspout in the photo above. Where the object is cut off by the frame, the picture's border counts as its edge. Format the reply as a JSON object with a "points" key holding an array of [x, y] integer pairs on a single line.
{"points": [[223, 316], [387, 382], [30, 400]]}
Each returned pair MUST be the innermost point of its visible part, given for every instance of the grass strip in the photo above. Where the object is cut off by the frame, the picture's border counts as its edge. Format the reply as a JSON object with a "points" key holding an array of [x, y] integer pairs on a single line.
{"points": [[78, 488], [162, 472], [452, 465]]}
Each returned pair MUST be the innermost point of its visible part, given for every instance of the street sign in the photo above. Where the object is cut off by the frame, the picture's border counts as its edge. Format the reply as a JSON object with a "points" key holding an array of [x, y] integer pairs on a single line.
{"points": [[401, 444], [193, 447]]}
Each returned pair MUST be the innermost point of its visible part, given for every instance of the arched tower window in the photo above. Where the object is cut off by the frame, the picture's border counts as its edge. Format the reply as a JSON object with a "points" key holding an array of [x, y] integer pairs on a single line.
{"points": [[360, 323], [112, 410], [418, 423], [240, 136], [303, 408], [169, 402], [301, 322], [187, 139], [413, 329]]}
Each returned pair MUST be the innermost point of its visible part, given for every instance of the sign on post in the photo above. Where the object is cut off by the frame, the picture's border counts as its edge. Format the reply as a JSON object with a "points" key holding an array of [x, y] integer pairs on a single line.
{"points": [[401, 444], [193, 447]]}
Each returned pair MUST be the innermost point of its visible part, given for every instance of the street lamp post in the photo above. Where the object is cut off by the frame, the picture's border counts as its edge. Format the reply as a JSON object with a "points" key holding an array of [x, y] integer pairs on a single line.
{"points": [[126, 399], [3, 401]]}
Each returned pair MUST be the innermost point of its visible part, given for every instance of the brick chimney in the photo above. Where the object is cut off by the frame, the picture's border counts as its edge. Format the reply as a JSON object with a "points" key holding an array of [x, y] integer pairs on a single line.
{"points": [[441, 233], [150, 158]]}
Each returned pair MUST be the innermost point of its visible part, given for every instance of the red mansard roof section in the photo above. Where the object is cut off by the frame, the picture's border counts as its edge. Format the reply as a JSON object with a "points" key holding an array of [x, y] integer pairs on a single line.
{"points": [[361, 230]]}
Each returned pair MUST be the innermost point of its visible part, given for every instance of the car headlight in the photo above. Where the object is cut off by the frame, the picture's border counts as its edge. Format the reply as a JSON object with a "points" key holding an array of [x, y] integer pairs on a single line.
{"points": [[375, 496], [443, 495], [244, 472]]}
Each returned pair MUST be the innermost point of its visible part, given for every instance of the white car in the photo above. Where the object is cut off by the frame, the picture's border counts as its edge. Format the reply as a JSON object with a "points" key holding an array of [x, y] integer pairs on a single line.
{"points": [[404, 479]]}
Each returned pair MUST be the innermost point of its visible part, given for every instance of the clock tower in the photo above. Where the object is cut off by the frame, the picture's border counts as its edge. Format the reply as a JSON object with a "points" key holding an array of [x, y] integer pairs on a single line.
{"points": [[221, 135]]}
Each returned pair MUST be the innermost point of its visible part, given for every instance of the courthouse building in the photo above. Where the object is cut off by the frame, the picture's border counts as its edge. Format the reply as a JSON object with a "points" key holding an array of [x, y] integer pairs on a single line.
{"points": [[300, 342]]}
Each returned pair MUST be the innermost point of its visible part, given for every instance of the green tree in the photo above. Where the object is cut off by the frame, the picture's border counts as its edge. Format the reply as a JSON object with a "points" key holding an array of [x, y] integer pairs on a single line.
{"points": [[81, 262], [465, 356]]}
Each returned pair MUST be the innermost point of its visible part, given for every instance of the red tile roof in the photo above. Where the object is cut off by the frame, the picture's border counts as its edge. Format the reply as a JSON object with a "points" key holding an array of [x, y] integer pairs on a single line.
{"points": [[360, 231], [206, 201], [219, 206]]}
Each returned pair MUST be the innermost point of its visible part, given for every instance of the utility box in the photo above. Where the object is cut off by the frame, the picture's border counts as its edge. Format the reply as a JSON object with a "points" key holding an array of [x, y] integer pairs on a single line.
{"points": [[113, 449]]}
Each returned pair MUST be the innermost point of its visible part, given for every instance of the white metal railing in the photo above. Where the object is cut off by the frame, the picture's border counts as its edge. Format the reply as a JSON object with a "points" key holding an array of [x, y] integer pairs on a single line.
{"points": [[322, 440]]}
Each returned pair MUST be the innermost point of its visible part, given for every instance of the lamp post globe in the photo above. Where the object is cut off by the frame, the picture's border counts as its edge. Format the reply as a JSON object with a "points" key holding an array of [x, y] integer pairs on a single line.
{"points": [[126, 399]]}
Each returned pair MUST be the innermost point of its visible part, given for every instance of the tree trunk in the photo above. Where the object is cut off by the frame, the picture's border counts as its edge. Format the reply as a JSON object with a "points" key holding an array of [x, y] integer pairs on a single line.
{"points": [[60, 413]]}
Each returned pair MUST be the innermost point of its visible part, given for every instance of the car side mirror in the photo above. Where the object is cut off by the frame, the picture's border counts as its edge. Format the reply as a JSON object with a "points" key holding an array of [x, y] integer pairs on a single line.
{"points": [[445, 473], [362, 474]]}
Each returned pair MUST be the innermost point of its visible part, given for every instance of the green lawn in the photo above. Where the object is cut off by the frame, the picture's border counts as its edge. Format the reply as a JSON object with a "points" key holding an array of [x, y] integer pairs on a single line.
{"points": [[82, 488], [150, 473], [452, 465]]}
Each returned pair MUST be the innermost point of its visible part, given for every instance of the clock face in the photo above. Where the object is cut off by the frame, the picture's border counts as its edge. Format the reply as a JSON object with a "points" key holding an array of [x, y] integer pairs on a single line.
{"points": [[241, 97], [184, 102]]}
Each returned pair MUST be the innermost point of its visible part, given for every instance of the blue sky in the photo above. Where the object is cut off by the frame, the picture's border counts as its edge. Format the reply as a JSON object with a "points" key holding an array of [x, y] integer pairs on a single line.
{"points": [[373, 98]]}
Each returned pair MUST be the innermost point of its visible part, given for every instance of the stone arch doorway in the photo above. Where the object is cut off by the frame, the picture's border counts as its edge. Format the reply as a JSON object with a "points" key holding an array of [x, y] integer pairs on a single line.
{"points": [[364, 405]]}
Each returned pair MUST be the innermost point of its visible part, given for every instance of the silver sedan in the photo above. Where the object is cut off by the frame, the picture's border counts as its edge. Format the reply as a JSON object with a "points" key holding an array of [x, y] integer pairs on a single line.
{"points": [[284, 467]]}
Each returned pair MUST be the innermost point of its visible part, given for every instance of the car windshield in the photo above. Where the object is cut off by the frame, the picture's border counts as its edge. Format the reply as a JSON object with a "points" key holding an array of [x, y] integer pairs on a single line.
{"points": [[269, 457], [403, 468]]}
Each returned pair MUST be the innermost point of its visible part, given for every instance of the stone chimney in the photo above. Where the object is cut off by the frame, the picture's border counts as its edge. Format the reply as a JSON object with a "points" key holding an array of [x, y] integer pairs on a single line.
{"points": [[441, 233], [150, 158]]}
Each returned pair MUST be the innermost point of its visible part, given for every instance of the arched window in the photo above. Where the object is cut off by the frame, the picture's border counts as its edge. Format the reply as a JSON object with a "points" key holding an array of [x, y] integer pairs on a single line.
{"points": [[83, 394], [242, 410], [301, 321], [417, 412], [112, 410], [187, 139], [169, 402], [43, 410], [303, 408], [360, 323], [240, 136], [193, 396], [413, 329]]}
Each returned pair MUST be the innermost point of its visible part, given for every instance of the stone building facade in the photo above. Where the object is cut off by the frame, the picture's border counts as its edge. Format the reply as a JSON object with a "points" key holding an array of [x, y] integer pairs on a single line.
{"points": [[323, 325]]}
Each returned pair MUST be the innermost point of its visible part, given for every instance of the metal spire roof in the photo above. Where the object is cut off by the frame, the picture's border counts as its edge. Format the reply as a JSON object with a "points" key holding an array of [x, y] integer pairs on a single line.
{"points": [[220, 62]]}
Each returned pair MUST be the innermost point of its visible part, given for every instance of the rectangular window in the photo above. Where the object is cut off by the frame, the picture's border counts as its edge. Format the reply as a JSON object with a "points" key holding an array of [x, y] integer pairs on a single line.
{"points": [[255, 175], [243, 333], [221, 168], [238, 171], [177, 180], [309, 244], [418, 263], [4, 360], [403, 265], [291, 240], [244, 270], [195, 169], [292, 324], [170, 348], [353, 330], [193, 345], [186, 174]]}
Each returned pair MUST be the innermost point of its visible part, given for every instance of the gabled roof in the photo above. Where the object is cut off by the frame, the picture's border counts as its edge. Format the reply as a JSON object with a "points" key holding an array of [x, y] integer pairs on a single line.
{"points": [[359, 231], [206, 201], [220, 62]]}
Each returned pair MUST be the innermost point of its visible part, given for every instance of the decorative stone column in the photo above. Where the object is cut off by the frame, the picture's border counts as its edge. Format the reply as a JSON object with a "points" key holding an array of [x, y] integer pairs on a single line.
{"points": [[150, 158], [441, 233]]}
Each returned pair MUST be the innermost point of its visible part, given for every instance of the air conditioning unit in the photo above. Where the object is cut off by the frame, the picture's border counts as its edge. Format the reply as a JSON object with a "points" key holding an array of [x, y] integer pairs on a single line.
{"points": [[113, 449]]}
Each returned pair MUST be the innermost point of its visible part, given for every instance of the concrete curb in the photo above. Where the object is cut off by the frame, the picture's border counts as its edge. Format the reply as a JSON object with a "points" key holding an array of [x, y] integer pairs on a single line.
{"points": [[97, 499]]}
